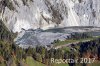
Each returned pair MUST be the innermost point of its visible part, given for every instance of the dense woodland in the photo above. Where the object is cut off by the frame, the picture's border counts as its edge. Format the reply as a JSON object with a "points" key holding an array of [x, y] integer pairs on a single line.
{"points": [[10, 52]]}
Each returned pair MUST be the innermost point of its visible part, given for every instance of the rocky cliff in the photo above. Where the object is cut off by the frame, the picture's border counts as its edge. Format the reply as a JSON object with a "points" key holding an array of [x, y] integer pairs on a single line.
{"points": [[45, 14]]}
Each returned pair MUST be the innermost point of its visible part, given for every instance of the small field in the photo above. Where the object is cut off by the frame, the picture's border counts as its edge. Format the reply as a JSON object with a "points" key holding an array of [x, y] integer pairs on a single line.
{"points": [[60, 65], [31, 62], [70, 41]]}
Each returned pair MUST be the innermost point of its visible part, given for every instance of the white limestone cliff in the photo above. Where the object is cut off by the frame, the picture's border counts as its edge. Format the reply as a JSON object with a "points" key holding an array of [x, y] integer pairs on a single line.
{"points": [[45, 14]]}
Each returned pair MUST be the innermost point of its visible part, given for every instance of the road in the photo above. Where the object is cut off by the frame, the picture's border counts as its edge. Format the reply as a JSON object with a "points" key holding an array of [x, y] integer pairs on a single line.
{"points": [[66, 45]]}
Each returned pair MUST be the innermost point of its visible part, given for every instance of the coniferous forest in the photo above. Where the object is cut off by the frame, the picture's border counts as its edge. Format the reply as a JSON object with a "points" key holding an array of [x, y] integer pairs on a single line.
{"points": [[13, 55]]}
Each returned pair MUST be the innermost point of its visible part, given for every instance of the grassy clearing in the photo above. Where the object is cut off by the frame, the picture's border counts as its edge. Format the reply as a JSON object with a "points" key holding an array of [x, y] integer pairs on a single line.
{"points": [[2, 64], [71, 41], [66, 49], [31, 62], [60, 65]]}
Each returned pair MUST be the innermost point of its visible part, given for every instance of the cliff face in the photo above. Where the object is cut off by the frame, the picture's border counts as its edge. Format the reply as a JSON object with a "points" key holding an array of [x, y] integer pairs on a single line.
{"points": [[18, 14]]}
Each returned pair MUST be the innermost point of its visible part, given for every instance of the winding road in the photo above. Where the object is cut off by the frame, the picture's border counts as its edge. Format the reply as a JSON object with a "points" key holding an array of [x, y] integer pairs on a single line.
{"points": [[66, 45]]}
